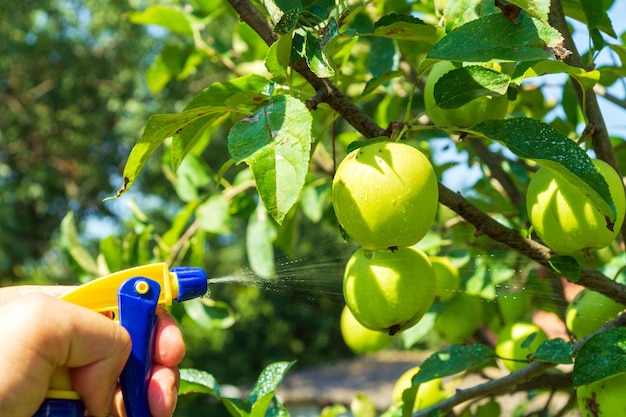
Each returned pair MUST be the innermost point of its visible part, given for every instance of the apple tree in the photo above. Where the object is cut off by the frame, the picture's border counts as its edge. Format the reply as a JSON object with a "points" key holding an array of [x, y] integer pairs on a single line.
{"points": [[493, 94]]}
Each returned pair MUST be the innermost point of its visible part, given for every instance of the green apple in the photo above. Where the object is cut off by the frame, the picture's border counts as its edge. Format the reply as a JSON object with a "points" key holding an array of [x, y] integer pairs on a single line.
{"points": [[391, 290], [603, 398], [514, 342], [588, 311], [360, 339], [564, 218], [477, 110], [448, 279], [459, 318], [429, 393], [513, 305], [385, 195]]}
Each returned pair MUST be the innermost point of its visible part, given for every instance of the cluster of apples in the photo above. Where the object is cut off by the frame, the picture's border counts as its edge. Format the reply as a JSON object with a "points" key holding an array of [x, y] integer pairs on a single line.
{"points": [[385, 197]]}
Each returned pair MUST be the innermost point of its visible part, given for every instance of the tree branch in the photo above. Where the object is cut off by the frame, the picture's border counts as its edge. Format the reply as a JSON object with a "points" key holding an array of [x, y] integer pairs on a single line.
{"points": [[510, 382]]}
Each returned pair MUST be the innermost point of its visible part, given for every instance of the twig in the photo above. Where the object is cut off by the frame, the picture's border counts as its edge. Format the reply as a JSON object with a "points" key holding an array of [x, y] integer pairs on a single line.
{"points": [[510, 382]]}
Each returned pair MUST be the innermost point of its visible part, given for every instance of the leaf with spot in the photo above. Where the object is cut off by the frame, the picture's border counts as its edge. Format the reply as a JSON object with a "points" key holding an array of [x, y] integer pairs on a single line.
{"points": [[540, 142], [275, 141], [456, 358], [407, 27]]}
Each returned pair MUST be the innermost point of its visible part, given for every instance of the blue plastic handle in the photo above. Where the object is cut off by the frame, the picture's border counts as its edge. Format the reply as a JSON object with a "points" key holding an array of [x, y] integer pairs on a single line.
{"points": [[138, 298]]}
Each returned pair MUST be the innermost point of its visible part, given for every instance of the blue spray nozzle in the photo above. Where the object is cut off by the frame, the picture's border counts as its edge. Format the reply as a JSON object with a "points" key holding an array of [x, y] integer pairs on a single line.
{"points": [[192, 282]]}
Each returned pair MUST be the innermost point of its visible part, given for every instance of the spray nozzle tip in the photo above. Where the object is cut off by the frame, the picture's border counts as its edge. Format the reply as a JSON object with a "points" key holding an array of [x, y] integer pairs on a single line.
{"points": [[192, 282]]}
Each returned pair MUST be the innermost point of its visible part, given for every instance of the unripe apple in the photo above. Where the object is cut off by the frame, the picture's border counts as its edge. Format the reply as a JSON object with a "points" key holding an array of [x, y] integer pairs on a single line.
{"points": [[448, 279], [514, 343], [603, 398], [385, 195], [429, 393], [391, 290], [360, 339], [475, 111], [459, 318], [588, 311], [564, 218]]}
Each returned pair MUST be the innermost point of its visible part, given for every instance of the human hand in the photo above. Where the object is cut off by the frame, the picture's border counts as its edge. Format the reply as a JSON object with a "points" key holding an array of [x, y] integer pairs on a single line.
{"points": [[43, 333]]}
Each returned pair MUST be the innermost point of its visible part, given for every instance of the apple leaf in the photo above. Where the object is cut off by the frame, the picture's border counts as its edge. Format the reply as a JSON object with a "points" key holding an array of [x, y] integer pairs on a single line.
{"points": [[534, 69], [535, 8], [462, 85], [456, 358], [602, 356], [196, 381], [566, 266], [275, 141], [279, 54], [495, 37], [406, 27], [597, 17], [316, 57], [169, 17], [269, 379], [532, 139], [380, 80], [555, 351], [260, 236]]}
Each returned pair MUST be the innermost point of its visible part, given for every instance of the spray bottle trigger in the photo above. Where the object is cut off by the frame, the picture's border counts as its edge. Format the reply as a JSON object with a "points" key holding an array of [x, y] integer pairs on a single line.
{"points": [[137, 299]]}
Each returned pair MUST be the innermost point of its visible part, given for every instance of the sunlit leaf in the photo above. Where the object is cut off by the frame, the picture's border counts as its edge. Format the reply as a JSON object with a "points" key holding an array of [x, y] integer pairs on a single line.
{"points": [[535, 140], [210, 314], [269, 379], [275, 142], [587, 78], [169, 17], [260, 236], [536, 8], [196, 381], [407, 27]]}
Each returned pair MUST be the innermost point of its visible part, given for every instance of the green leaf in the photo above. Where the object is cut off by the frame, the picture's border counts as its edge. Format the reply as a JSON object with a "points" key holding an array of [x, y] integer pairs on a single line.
{"points": [[159, 128], [602, 356], [316, 58], [260, 236], [376, 82], [172, 18], [275, 141], [210, 314], [196, 381], [566, 266], [237, 407], [260, 405], [586, 78], [574, 9], [535, 140], [243, 94], [269, 379], [596, 16], [279, 55], [214, 215], [555, 351], [383, 57], [495, 37], [536, 8], [72, 243], [456, 358], [407, 27], [462, 85]]}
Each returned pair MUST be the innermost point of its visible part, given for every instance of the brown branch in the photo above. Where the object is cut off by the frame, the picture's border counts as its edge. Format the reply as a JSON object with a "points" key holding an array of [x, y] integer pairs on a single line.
{"points": [[510, 382], [484, 224]]}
